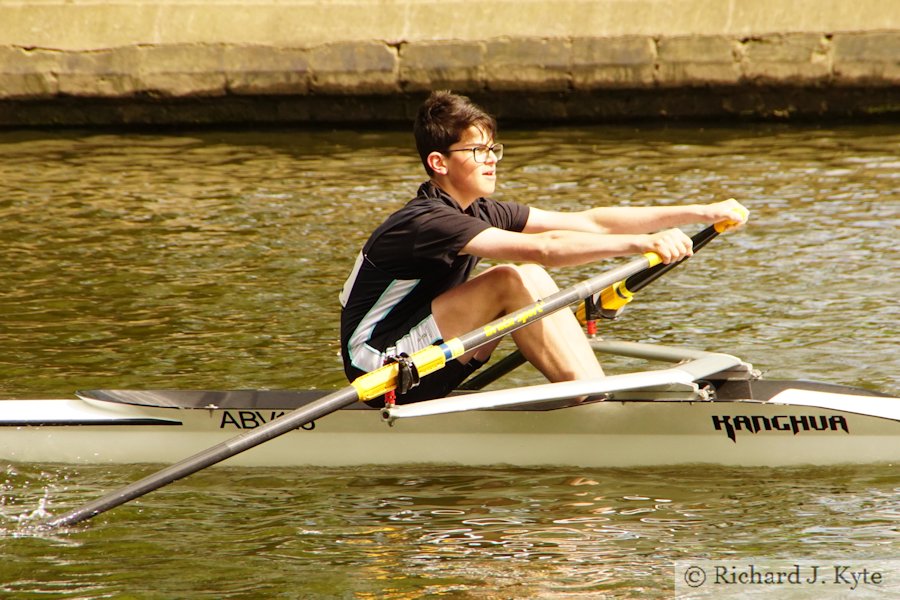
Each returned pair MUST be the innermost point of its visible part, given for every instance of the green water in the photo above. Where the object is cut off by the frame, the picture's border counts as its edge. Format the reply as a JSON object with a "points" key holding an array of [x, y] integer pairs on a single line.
{"points": [[214, 259]]}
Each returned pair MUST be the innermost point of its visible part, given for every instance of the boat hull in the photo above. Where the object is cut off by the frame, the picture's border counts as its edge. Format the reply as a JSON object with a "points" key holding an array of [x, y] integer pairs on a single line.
{"points": [[597, 434]]}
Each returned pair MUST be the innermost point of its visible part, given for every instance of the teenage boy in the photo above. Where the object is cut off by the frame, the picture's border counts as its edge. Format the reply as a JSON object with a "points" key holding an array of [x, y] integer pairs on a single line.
{"points": [[411, 285]]}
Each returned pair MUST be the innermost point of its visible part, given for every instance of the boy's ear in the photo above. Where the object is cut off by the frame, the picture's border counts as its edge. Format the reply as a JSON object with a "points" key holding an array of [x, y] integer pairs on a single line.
{"points": [[438, 163]]}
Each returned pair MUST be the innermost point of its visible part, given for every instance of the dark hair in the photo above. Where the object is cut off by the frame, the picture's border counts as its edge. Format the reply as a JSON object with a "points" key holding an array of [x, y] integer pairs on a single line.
{"points": [[443, 118]]}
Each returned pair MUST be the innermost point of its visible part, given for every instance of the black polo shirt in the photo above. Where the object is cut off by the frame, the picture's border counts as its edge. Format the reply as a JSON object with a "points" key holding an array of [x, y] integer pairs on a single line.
{"points": [[413, 257]]}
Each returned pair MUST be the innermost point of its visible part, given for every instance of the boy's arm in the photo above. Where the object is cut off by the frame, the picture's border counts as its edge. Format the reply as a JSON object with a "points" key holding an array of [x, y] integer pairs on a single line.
{"points": [[634, 219], [558, 248]]}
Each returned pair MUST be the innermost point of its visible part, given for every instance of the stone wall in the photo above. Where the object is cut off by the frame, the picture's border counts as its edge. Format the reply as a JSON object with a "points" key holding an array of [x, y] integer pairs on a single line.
{"points": [[83, 62]]}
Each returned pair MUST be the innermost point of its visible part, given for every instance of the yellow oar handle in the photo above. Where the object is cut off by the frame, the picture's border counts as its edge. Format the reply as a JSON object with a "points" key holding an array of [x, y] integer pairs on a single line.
{"points": [[729, 224]]}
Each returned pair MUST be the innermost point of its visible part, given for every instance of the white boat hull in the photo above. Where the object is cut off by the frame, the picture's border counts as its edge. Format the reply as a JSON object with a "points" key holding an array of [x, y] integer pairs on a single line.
{"points": [[709, 408], [598, 434]]}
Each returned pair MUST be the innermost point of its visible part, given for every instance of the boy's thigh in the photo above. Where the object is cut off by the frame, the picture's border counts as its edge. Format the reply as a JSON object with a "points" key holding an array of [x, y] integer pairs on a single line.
{"points": [[479, 300]]}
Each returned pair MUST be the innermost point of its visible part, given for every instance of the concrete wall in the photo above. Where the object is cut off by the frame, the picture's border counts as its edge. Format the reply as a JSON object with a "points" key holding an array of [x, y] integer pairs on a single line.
{"points": [[224, 61]]}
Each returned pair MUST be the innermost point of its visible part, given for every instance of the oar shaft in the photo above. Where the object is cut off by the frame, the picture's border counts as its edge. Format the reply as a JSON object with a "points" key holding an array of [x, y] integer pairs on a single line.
{"points": [[370, 385]]}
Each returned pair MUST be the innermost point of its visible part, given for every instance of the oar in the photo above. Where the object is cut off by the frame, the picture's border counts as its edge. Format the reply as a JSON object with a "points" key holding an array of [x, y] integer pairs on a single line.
{"points": [[368, 386], [619, 294], [611, 300]]}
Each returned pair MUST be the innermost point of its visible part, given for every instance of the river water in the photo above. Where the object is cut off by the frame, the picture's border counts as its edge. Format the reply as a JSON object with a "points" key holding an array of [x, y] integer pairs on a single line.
{"points": [[212, 259]]}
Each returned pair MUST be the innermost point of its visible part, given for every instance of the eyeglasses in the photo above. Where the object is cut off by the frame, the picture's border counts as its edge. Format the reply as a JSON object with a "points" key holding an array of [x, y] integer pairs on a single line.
{"points": [[480, 153]]}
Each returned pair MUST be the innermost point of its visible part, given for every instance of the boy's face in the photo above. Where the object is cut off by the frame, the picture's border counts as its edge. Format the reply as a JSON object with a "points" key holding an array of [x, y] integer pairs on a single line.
{"points": [[470, 180]]}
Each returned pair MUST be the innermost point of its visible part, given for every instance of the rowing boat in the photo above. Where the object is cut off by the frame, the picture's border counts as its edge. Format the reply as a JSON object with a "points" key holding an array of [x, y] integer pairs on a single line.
{"points": [[708, 408], [704, 407]]}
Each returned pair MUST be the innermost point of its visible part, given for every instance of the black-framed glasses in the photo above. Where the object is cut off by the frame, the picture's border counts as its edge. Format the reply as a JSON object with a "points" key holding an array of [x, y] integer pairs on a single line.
{"points": [[481, 153]]}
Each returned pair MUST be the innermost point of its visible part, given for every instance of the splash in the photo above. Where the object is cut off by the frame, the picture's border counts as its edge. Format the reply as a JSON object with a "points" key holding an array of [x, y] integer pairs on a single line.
{"points": [[39, 514], [20, 516]]}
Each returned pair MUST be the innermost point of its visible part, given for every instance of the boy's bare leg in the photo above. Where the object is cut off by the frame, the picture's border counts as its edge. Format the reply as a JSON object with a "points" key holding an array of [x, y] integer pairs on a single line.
{"points": [[555, 345]]}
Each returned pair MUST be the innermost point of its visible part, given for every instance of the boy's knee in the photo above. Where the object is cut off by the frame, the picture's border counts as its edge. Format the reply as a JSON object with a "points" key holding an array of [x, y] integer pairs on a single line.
{"points": [[538, 280], [508, 272], [530, 279], [534, 272], [510, 277]]}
